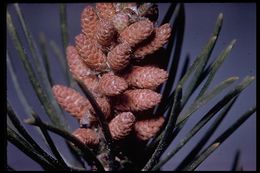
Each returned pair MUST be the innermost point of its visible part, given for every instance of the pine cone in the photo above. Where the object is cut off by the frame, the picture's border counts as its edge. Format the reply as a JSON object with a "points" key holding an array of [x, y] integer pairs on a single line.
{"points": [[104, 104], [105, 32], [91, 82], [105, 11], [121, 21], [91, 53], [119, 57], [71, 101], [121, 125], [147, 128], [86, 136], [111, 85], [89, 21], [147, 77], [137, 100], [149, 46], [77, 67], [82, 40], [137, 32]]}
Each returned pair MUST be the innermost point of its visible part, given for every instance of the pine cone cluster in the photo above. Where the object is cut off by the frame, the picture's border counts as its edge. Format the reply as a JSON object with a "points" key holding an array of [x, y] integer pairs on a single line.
{"points": [[113, 36]]}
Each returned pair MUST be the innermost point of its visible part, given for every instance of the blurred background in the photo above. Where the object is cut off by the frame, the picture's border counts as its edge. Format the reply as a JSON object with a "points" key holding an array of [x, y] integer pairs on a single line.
{"points": [[239, 23]]}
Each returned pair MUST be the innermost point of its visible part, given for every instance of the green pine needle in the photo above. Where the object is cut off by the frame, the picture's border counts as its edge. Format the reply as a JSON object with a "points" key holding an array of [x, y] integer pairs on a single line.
{"points": [[88, 155], [24, 146], [164, 142], [55, 118], [215, 66], [43, 48], [219, 140], [204, 120]]}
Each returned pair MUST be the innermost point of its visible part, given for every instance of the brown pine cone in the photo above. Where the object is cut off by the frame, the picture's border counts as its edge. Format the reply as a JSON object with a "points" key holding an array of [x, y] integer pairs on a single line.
{"points": [[77, 67], [121, 125], [121, 21], [86, 136], [82, 40], [137, 32], [105, 11], [105, 32], [104, 104], [71, 101], [148, 77], [111, 85], [119, 57], [147, 128], [149, 46], [89, 21], [91, 53], [91, 82], [137, 100]]}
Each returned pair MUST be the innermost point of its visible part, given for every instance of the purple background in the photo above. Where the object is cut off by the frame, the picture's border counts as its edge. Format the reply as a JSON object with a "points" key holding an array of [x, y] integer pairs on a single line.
{"points": [[239, 23]]}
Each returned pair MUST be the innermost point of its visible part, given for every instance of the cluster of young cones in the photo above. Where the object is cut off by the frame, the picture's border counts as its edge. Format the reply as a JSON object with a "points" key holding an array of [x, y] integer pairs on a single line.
{"points": [[114, 36]]}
